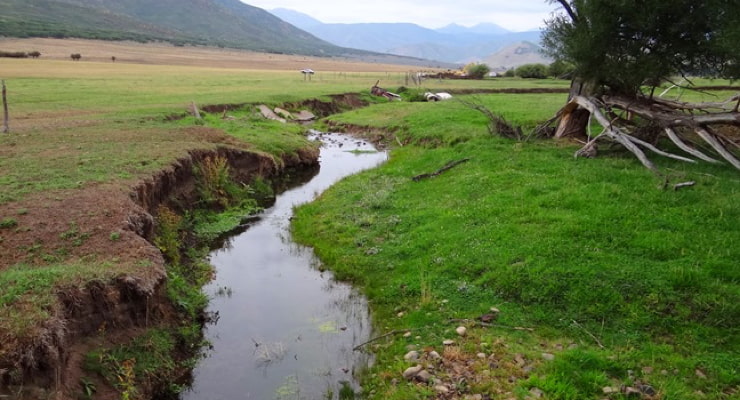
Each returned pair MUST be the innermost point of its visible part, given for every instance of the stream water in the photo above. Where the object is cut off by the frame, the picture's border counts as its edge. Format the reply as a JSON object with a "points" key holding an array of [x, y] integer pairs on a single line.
{"points": [[285, 330]]}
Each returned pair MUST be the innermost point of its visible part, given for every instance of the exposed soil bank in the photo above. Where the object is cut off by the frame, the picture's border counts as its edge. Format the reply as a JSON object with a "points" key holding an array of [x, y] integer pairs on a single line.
{"points": [[130, 295], [49, 361]]}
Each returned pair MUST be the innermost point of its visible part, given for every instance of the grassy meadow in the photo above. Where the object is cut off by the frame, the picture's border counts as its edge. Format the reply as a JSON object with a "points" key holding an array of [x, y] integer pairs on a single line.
{"points": [[624, 282]]}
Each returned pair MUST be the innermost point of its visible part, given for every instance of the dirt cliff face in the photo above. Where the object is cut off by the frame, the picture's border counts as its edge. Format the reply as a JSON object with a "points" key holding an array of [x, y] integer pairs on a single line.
{"points": [[128, 294]]}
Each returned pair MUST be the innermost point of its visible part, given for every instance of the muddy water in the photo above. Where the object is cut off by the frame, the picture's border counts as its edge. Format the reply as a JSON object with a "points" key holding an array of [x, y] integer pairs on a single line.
{"points": [[285, 330]]}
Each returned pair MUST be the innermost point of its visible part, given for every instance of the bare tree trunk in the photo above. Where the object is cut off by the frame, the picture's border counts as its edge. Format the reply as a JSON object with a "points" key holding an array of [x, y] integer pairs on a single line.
{"points": [[6, 128], [574, 121]]}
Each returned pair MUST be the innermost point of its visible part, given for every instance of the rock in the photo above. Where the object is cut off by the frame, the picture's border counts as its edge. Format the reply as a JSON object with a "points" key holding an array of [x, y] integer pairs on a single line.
{"points": [[609, 390], [699, 373], [269, 114], [411, 372], [536, 392], [424, 376], [434, 355], [448, 342], [548, 356], [412, 355], [410, 347], [495, 310], [461, 330], [648, 390], [304, 115], [283, 113], [482, 356], [400, 314], [519, 359], [630, 391], [442, 389], [407, 334]]}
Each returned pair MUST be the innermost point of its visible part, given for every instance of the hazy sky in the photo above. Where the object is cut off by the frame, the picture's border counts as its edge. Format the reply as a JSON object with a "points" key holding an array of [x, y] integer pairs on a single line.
{"points": [[515, 15]]}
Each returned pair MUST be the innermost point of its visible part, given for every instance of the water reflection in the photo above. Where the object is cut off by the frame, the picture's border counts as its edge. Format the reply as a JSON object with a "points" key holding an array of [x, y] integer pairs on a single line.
{"points": [[285, 329]]}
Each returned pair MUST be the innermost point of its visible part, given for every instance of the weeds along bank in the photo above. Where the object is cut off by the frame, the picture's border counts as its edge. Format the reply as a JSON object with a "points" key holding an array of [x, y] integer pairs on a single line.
{"points": [[604, 284]]}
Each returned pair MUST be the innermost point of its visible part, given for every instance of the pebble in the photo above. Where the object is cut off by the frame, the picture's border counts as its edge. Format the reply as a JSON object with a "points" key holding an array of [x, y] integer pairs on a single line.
{"points": [[536, 392], [412, 355], [411, 372], [442, 389], [481, 355], [448, 342], [434, 355], [495, 310], [400, 314], [424, 376], [407, 334], [548, 356], [699, 373], [461, 330], [609, 390], [648, 390]]}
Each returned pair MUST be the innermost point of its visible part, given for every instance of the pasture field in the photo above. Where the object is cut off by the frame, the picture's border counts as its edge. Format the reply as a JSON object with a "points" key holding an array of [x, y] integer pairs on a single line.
{"points": [[621, 282], [612, 273]]}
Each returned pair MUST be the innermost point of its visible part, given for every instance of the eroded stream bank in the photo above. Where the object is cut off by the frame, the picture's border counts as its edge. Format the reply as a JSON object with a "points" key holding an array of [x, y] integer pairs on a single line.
{"points": [[284, 328]]}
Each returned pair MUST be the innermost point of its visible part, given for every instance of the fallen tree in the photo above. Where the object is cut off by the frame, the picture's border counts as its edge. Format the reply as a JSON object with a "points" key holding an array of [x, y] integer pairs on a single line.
{"points": [[689, 126], [623, 51]]}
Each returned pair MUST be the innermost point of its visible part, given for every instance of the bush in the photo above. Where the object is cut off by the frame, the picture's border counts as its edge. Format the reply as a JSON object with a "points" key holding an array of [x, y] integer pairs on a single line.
{"points": [[477, 71], [510, 73], [536, 71], [561, 69]]}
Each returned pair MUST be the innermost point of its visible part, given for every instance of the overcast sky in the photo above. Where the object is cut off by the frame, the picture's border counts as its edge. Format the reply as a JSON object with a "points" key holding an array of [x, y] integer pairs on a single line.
{"points": [[514, 15]]}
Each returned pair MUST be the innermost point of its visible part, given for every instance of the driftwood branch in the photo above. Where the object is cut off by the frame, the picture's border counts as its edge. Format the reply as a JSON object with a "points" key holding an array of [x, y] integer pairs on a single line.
{"points": [[683, 185], [446, 167], [490, 325], [391, 333]]}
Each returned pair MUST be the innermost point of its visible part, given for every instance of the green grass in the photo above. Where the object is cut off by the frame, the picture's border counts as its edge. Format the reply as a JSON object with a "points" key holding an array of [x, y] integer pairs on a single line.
{"points": [[573, 248]]}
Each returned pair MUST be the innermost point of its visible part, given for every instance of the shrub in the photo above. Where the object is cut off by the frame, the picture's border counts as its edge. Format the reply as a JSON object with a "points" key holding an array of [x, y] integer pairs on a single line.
{"points": [[34, 54], [536, 71], [561, 69], [477, 71]]}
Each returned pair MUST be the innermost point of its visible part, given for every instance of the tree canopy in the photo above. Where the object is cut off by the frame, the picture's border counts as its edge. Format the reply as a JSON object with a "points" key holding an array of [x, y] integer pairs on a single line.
{"points": [[622, 45]]}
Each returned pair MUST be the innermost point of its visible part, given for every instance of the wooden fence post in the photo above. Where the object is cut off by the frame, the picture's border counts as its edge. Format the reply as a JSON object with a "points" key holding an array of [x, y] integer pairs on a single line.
{"points": [[6, 128]]}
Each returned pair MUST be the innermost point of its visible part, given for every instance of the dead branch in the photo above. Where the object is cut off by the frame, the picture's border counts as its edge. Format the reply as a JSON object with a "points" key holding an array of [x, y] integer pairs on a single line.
{"points": [[489, 325], [194, 110], [717, 146], [391, 333], [446, 167], [679, 105], [497, 125], [598, 342], [614, 132], [683, 146], [683, 185]]}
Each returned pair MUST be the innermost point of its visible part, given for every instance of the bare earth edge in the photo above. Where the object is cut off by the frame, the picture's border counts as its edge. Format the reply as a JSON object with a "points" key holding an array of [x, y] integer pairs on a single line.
{"points": [[48, 362]]}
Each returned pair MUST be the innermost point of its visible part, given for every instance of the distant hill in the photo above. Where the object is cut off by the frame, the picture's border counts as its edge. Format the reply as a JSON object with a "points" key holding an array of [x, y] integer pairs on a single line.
{"points": [[452, 43], [226, 23], [515, 55]]}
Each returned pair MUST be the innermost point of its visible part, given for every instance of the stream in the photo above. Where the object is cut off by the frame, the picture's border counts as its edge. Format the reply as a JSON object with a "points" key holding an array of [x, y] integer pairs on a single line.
{"points": [[284, 329]]}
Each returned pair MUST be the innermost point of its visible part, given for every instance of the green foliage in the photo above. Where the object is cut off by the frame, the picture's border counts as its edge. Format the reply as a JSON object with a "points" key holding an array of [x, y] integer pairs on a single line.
{"points": [[169, 238], [510, 73], [477, 70], [214, 184], [552, 239], [625, 44], [8, 222], [536, 71], [561, 69]]}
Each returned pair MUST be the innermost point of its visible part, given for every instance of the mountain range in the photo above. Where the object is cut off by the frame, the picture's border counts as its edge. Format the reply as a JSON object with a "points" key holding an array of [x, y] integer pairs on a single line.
{"points": [[226, 23], [452, 43], [234, 24]]}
